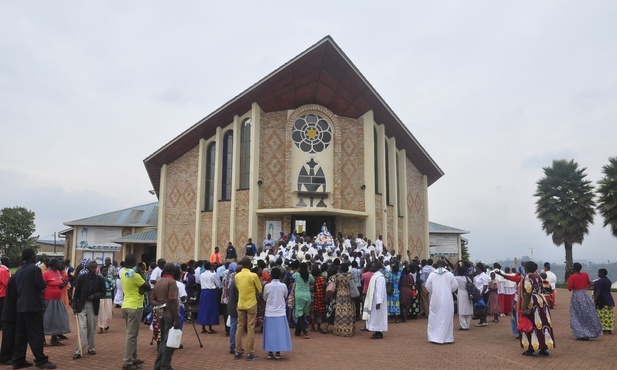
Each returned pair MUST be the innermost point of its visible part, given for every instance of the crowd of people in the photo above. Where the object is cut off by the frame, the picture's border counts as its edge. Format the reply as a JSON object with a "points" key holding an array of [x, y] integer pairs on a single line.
{"points": [[296, 284]]}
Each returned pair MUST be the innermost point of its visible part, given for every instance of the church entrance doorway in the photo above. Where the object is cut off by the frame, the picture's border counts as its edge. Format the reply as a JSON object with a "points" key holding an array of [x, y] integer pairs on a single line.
{"points": [[311, 225]]}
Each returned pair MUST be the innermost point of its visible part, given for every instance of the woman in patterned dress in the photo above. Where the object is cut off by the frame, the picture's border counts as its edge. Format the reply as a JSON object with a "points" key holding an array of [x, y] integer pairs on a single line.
{"points": [[408, 295], [584, 320], [532, 304], [344, 317], [318, 313], [394, 306], [605, 304]]}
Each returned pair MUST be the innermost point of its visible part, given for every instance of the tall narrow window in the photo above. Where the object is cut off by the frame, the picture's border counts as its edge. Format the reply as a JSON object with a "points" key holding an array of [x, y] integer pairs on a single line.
{"points": [[210, 165], [228, 141], [387, 175], [245, 154], [376, 159]]}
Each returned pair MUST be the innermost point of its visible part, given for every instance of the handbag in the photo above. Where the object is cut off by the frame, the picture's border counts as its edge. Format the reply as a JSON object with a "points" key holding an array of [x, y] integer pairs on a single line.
{"points": [[330, 289], [353, 289], [524, 324]]}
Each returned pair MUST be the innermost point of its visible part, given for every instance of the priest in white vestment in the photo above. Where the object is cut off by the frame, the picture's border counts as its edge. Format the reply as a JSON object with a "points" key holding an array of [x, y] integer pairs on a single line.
{"points": [[375, 310], [440, 285]]}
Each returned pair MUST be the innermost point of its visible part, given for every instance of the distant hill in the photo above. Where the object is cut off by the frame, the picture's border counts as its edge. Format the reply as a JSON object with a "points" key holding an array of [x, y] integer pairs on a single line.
{"points": [[590, 268]]}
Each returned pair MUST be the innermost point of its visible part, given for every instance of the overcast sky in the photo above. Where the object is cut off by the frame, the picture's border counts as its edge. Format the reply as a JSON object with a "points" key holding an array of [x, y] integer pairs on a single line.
{"points": [[494, 91]]}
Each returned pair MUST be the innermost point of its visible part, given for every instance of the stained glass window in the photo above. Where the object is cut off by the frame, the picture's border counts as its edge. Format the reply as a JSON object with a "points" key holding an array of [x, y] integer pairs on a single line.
{"points": [[245, 153], [311, 133], [228, 141], [210, 167]]}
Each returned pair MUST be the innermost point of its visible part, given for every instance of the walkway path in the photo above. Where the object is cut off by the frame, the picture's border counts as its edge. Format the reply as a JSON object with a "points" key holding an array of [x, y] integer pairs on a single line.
{"points": [[405, 346]]}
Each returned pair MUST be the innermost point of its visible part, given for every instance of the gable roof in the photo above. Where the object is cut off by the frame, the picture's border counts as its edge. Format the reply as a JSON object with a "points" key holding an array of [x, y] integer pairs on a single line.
{"points": [[139, 216], [435, 228], [322, 75]]}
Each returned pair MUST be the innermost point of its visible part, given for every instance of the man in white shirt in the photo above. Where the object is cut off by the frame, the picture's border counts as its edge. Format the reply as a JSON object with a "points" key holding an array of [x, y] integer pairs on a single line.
{"points": [[268, 242], [379, 245], [360, 243], [481, 282], [156, 273]]}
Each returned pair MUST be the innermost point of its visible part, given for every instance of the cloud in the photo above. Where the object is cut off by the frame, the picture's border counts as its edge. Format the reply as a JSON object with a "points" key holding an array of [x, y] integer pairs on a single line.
{"points": [[494, 92]]}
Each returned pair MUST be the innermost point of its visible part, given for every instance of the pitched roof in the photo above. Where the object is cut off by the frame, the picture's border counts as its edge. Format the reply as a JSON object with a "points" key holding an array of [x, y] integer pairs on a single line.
{"points": [[144, 237], [434, 228], [139, 216], [322, 75]]}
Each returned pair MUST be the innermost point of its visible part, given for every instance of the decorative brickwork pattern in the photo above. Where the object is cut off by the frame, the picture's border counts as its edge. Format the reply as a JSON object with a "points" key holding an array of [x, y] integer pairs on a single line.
{"points": [[223, 225], [273, 163], [205, 236], [351, 225], [416, 212], [242, 219], [180, 207], [349, 165]]}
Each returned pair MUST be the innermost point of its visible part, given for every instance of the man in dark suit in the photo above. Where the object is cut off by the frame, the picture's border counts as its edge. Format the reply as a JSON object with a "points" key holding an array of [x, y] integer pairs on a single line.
{"points": [[89, 289], [29, 329]]}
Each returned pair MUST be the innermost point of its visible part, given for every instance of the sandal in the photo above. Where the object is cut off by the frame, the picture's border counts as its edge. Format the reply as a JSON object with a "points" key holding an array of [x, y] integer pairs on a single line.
{"points": [[278, 356], [211, 331], [270, 355]]}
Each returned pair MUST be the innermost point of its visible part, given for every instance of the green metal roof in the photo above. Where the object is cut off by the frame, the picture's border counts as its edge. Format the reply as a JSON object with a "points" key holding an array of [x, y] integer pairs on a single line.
{"points": [[144, 237], [140, 216]]}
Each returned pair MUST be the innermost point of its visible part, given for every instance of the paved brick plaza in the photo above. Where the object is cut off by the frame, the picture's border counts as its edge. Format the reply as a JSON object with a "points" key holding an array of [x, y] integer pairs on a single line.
{"points": [[404, 347]]}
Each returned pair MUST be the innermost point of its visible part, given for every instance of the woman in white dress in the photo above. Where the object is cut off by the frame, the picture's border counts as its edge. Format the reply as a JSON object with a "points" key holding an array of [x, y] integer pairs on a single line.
{"points": [[465, 305]]}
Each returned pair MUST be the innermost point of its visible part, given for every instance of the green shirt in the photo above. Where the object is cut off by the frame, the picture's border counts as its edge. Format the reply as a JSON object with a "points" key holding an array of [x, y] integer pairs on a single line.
{"points": [[131, 281]]}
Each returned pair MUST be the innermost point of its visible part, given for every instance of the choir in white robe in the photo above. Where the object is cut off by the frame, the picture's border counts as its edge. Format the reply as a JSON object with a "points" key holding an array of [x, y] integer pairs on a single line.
{"points": [[441, 284], [377, 319]]}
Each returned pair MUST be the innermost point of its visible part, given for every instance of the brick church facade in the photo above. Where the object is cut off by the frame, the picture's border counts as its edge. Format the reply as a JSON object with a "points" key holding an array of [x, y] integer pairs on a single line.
{"points": [[310, 144]]}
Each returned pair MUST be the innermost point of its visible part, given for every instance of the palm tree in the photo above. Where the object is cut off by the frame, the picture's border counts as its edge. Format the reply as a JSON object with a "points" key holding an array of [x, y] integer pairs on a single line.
{"points": [[607, 195], [565, 205]]}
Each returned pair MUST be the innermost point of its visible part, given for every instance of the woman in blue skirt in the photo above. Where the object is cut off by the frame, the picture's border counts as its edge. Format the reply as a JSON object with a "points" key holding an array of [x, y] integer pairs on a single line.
{"points": [[276, 337], [208, 313]]}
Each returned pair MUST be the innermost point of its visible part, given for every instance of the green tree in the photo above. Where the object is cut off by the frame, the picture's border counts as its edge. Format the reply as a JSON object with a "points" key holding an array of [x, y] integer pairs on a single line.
{"points": [[565, 205], [607, 195], [464, 251], [16, 229]]}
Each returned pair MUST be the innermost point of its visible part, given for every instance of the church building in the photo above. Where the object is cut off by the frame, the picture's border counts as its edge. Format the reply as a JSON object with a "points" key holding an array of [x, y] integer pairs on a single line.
{"points": [[312, 143]]}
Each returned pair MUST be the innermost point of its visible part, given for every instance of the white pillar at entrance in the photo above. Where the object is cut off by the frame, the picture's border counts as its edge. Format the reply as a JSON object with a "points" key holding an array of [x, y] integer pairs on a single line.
{"points": [[162, 205], [369, 174]]}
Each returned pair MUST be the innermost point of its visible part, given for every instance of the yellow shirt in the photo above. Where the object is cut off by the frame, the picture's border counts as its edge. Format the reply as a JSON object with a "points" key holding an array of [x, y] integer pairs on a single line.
{"points": [[248, 286], [131, 281]]}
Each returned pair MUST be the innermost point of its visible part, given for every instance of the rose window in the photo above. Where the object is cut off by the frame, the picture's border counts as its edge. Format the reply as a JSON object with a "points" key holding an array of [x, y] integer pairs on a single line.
{"points": [[311, 133]]}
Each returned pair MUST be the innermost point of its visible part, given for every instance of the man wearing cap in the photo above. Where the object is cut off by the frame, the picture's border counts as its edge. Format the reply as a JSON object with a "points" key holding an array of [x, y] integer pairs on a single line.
{"points": [[166, 293], [89, 290]]}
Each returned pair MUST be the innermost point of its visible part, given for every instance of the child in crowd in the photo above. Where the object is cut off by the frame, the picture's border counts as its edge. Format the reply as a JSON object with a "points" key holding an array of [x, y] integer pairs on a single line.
{"points": [[494, 307], [547, 290]]}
